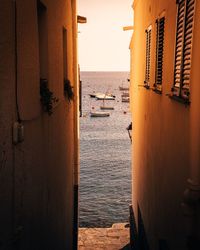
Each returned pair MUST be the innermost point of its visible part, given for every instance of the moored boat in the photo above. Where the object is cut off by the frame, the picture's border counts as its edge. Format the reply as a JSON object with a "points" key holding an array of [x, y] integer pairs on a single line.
{"points": [[125, 94], [105, 97], [99, 114], [123, 88], [125, 99], [102, 95]]}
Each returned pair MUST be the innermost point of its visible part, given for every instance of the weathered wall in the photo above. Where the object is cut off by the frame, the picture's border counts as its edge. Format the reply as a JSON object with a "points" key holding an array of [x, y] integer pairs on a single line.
{"points": [[7, 94], [161, 130], [36, 175]]}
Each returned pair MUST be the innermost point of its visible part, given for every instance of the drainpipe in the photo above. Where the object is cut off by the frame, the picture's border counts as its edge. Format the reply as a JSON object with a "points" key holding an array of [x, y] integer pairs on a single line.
{"points": [[76, 126], [191, 203], [75, 21]]}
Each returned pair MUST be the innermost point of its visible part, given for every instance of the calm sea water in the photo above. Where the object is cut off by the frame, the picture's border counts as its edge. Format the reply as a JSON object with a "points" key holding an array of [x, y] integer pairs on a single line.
{"points": [[105, 157]]}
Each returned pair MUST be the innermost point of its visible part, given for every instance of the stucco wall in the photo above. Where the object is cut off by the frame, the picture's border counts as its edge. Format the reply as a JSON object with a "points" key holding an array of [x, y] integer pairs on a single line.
{"points": [[36, 175], [6, 118], [161, 130]]}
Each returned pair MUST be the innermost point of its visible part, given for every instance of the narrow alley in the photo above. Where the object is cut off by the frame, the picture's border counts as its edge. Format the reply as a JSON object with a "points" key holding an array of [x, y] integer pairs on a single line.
{"points": [[40, 109]]}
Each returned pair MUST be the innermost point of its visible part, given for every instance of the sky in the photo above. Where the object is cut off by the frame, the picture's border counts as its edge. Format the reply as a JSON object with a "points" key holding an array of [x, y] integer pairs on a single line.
{"points": [[102, 43]]}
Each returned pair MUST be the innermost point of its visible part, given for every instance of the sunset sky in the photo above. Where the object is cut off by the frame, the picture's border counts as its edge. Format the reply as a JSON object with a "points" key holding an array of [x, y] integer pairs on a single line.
{"points": [[103, 45]]}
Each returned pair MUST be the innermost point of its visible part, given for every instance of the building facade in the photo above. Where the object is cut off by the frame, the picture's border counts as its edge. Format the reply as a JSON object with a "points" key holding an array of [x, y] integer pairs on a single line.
{"points": [[165, 59], [38, 124]]}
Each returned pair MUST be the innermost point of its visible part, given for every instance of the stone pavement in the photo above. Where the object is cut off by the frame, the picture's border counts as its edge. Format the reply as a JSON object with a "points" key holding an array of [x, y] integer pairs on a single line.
{"points": [[114, 238]]}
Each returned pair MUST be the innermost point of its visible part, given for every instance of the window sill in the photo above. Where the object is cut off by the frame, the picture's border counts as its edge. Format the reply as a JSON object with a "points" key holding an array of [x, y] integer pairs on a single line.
{"points": [[179, 99], [146, 86]]}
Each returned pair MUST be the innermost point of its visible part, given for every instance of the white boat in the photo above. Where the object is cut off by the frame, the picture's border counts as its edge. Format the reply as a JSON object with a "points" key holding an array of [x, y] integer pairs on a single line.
{"points": [[105, 97], [95, 94], [99, 114], [101, 95]]}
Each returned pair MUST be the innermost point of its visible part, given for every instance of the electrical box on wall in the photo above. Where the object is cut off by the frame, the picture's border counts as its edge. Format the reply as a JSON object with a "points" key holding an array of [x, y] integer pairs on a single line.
{"points": [[18, 132]]}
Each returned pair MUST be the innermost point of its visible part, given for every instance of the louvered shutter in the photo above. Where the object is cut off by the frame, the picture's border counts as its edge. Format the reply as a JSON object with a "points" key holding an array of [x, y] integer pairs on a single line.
{"points": [[159, 52], [187, 48], [179, 44], [148, 53], [185, 18]]}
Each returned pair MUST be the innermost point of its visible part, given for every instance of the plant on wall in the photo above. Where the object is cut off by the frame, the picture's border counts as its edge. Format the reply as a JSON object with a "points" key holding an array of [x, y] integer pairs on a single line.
{"points": [[47, 98], [68, 92]]}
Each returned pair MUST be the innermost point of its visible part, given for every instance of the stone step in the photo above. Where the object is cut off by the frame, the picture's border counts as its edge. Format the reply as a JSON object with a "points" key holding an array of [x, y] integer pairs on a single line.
{"points": [[113, 238]]}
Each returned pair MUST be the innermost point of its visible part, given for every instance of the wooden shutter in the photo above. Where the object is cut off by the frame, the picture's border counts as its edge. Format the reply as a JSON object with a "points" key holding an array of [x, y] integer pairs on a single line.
{"points": [[159, 52], [179, 44], [183, 49], [148, 53], [187, 47]]}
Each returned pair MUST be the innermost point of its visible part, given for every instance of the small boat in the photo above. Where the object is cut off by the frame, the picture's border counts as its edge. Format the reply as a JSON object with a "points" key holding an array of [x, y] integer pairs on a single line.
{"points": [[125, 99], [105, 97], [100, 95], [125, 94], [99, 114], [92, 95], [123, 88], [106, 108]]}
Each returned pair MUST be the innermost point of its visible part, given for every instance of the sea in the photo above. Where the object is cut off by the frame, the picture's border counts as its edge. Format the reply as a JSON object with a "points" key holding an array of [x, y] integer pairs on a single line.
{"points": [[105, 153]]}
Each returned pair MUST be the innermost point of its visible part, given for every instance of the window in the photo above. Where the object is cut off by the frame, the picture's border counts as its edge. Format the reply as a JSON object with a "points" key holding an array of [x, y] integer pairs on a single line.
{"points": [[148, 54], [183, 49], [159, 53]]}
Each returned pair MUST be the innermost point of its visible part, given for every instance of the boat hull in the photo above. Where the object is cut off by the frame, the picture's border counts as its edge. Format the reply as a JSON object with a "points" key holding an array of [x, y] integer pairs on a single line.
{"points": [[99, 114], [123, 88], [105, 98], [125, 99], [102, 96], [106, 108]]}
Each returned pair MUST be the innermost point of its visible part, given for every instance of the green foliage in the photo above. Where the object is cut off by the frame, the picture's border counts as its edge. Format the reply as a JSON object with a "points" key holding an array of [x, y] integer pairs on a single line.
{"points": [[47, 99], [68, 92]]}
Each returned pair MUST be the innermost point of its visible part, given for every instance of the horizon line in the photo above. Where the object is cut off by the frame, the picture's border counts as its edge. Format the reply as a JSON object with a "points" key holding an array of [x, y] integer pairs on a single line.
{"points": [[104, 70]]}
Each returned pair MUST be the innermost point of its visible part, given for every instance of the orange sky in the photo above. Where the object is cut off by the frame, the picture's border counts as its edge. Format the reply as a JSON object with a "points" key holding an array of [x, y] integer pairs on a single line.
{"points": [[103, 45]]}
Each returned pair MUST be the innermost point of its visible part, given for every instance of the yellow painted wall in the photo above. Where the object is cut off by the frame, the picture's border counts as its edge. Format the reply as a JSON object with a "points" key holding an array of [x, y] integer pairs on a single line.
{"points": [[165, 132], [37, 175]]}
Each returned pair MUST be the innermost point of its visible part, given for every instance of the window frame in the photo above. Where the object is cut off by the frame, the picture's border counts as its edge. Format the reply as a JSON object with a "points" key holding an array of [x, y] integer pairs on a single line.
{"points": [[181, 91]]}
